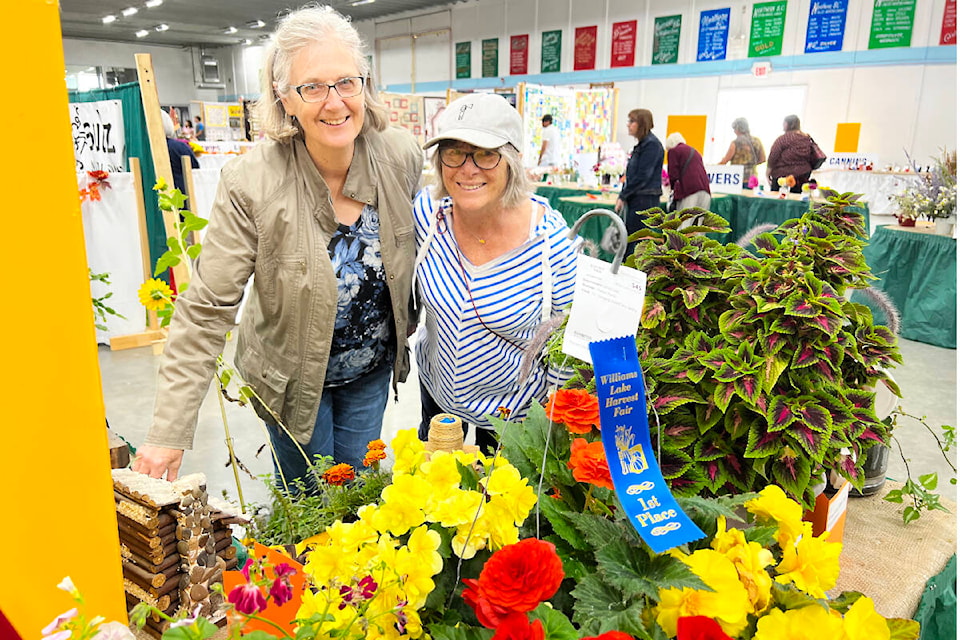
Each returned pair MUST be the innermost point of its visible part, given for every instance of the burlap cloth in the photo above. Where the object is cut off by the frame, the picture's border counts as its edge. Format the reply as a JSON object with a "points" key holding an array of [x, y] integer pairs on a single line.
{"points": [[889, 561]]}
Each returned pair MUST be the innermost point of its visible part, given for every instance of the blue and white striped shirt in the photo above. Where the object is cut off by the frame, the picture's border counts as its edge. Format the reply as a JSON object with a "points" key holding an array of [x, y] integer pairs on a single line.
{"points": [[470, 369]]}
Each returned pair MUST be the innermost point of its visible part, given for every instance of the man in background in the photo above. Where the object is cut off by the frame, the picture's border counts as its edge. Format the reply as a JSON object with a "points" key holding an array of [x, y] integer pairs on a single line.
{"points": [[550, 147], [200, 129]]}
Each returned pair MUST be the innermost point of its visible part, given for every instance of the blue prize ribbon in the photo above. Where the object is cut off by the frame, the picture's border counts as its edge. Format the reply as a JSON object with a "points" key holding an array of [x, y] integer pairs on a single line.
{"points": [[625, 432]]}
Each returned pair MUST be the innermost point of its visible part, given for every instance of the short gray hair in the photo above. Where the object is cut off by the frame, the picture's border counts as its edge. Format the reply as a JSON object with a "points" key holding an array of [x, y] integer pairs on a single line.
{"points": [[519, 188], [674, 139], [296, 31], [791, 123], [740, 125]]}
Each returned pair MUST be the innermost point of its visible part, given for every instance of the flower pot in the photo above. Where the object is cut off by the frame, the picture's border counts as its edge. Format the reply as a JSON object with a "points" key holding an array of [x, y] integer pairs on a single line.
{"points": [[943, 226], [874, 470], [907, 222]]}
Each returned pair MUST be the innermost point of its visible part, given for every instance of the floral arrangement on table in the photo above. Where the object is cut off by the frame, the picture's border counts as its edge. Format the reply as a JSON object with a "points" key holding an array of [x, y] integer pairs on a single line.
{"points": [[449, 552], [612, 161], [935, 195]]}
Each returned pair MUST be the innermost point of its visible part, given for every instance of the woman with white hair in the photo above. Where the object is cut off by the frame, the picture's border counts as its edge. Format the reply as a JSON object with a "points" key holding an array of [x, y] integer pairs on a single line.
{"points": [[320, 214], [688, 178], [494, 264], [745, 149]]}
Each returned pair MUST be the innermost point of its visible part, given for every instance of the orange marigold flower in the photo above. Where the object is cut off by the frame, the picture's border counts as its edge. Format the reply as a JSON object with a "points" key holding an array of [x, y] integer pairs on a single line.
{"points": [[376, 445], [589, 463], [338, 474], [575, 408], [373, 456]]}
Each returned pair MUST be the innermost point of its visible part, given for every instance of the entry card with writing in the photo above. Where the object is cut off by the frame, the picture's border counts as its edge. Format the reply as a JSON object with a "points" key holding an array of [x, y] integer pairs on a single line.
{"points": [[605, 305], [639, 484]]}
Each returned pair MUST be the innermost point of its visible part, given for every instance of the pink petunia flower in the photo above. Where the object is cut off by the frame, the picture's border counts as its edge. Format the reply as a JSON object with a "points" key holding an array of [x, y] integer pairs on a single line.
{"points": [[61, 619]]}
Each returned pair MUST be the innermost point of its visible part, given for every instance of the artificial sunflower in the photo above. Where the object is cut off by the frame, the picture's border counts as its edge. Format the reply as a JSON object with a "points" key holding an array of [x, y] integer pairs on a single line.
{"points": [[155, 294]]}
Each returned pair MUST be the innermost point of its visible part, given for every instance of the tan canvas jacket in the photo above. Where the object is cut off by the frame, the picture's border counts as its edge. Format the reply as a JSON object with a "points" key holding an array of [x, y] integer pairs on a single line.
{"points": [[273, 219]]}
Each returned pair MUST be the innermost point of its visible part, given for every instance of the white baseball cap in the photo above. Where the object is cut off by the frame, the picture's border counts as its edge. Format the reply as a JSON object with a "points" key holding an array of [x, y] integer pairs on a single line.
{"points": [[485, 120]]}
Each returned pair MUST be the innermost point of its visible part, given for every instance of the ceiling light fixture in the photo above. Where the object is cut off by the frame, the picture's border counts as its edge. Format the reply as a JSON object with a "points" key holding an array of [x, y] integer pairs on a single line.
{"points": [[109, 19], [150, 4], [143, 33], [161, 27], [256, 24], [230, 30], [129, 11], [357, 3]]}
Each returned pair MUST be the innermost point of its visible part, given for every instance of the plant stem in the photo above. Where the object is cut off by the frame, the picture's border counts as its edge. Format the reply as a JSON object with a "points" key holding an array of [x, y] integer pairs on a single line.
{"points": [[229, 441]]}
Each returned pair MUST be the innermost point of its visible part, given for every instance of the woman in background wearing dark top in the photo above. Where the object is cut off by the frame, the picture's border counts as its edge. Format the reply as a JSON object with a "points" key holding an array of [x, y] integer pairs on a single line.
{"points": [[177, 149], [642, 188], [688, 178], [790, 156]]}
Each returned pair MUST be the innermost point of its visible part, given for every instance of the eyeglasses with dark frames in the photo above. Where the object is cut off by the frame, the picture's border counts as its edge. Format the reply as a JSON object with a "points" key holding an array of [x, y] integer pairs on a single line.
{"points": [[320, 91], [455, 157]]}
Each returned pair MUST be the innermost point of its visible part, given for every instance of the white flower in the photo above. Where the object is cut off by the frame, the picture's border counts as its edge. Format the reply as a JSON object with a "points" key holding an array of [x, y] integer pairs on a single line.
{"points": [[67, 585], [60, 620], [114, 630]]}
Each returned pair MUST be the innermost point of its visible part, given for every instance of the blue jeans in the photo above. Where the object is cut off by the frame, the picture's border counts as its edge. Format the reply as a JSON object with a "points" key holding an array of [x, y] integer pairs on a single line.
{"points": [[350, 416]]}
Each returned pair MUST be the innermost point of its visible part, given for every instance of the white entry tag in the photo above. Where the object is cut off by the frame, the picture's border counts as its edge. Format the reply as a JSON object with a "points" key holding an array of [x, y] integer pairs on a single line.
{"points": [[605, 305]]}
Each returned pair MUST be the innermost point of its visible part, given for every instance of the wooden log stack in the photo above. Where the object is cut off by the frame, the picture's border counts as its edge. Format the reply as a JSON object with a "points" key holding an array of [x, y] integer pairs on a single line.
{"points": [[174, 546]]}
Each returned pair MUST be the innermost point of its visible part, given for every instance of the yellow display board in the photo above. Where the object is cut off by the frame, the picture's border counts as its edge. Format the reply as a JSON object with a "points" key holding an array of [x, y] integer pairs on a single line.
{"points": [[55, 487], [848, 137], [693, 128]]}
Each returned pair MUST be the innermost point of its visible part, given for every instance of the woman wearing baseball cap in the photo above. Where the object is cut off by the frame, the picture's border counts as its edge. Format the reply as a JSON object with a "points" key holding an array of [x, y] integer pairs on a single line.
{"points": [[493, 264]]}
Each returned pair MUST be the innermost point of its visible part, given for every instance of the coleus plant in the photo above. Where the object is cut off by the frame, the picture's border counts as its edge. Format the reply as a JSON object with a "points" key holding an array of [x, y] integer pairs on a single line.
{"points": [[758, 367]]}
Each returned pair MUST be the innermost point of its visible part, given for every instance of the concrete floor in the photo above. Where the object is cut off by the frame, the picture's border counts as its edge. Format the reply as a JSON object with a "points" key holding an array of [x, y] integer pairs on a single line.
{"points": [[928, 380]]}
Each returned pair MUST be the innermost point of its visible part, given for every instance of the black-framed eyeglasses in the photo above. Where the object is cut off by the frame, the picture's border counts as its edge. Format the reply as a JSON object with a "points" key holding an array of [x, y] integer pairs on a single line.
{"points": [[454, 157], [319, 91]]}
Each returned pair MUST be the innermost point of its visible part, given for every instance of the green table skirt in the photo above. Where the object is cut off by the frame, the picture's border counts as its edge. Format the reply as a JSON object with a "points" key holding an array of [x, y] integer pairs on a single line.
{"points": [[553, 194], [918, 271]]}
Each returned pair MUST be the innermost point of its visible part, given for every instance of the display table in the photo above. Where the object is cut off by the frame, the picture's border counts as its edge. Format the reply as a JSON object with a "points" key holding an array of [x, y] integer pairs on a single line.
{"points": [[553, 191], [918, 271], [876, 186], [889, 561]]}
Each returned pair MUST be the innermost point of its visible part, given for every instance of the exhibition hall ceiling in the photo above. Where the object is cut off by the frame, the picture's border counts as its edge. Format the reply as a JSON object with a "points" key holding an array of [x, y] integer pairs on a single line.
{"points": [[204, 22]]}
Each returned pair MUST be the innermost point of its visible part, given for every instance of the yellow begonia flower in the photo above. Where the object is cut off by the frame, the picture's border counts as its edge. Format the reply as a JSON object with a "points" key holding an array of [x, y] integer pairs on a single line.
{"points": [[459, 508], [328, 563], [442, 474], [465, 547], [498, 520], [813, 622], [408, 452], [728, 603], [320, 539], [751, 561], [862, 622], [423, 544], [813, 565], [403, 504], [155, 294], [773, 506]]}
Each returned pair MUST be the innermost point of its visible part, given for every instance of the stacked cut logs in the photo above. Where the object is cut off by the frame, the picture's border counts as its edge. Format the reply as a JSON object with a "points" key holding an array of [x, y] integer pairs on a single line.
{"points": [[174, 546]]}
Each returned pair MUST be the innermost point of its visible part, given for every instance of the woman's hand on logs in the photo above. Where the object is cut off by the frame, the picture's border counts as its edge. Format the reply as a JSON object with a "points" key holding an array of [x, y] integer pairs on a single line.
{"points": [[158, 462]]}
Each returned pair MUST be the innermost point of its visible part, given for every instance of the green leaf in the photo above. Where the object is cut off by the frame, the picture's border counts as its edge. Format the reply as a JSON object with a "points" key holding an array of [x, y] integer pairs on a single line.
{"points": [[460, 632], [910, 514], [653, 313], [929, 481], [257, 634], [896, 495], [788, 598], [598, 530], [556, 625], [166, 261], [469, 478], [600, 607], [562, 522], [194, 250], [199, 630]]}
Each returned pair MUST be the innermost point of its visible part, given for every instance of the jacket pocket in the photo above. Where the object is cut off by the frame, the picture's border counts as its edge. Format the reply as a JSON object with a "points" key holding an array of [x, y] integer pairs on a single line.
{"points": [[267, 381]]}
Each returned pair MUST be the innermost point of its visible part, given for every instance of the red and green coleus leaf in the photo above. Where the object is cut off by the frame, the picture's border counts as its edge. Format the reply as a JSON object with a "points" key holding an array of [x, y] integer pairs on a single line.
{"points": [[763, 443], [779, 414], [716, 473], [674, 463], [840, 410], [670, 396], [793, 474], [708, 415], [748, 387], [680, 435], [770, 373], [693, 295], [738, 418], [723, 394], [813, 442], [653, 314], [806, 355]]}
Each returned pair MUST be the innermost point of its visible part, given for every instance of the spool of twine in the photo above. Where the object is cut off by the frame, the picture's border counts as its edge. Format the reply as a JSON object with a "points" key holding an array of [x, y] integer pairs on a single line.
{"points": [[446, 433]]}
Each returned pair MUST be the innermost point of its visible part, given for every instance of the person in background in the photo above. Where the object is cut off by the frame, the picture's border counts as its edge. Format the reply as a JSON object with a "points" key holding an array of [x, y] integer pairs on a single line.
{"points": [[688, 178], [177, 149], [642, 188], [550, 147], [745, 149], [320, 214], [201, 130], [790, 156], [494, 264], [187, 132]]}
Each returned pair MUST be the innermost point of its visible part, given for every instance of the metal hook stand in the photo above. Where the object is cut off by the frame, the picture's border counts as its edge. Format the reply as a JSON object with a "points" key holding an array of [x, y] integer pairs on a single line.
{"points": [[621, 238]]}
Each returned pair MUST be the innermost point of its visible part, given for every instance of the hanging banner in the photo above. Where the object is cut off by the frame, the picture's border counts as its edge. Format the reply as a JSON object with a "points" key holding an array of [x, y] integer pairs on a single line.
{"points": [[490, 58], [463, 59], [623, 44], [666, 40], [519, 46], [97, 130], [550, 51], [948, 28], [892, 23], [585, 48], [826, 25], [712, 41], [640, 486], [766, 29]]}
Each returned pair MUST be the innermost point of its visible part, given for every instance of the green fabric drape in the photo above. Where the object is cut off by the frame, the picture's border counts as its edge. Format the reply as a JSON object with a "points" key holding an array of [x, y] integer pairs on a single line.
{"points": [[937, 613], [553, 194], [137, 143], [918, 271]]}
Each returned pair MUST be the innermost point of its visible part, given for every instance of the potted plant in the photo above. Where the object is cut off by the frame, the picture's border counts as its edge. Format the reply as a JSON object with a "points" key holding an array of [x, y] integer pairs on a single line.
{"points": [[934, 197], [758, 368]]}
